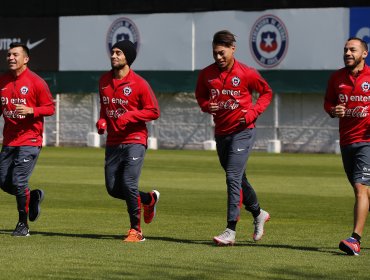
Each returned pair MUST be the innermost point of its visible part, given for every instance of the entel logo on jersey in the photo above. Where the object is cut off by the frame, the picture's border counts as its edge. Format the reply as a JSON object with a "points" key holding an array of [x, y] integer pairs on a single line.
{"points": [[127, 91], [365, 86], [268, 41], [122, 29], [343, 98], [24, 90]]}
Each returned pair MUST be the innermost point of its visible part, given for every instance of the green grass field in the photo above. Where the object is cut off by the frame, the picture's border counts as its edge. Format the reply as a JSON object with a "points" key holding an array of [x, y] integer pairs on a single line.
{"points": [[78, 235]]}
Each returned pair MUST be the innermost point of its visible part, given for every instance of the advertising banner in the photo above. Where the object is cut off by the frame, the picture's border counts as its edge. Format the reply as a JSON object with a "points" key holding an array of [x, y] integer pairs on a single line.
{"points": [[41, 36]]}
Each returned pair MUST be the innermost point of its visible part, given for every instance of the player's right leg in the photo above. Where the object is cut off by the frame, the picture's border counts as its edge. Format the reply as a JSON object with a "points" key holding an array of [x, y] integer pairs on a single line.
{"points": [[132, 164], [24, 163], [233, 163], [7, 155], [16, 166], [113, 171], [356, 162]]}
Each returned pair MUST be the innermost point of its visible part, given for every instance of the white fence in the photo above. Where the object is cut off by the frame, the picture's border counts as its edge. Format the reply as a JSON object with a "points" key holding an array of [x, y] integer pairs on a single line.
{"points": [[298, 121]]}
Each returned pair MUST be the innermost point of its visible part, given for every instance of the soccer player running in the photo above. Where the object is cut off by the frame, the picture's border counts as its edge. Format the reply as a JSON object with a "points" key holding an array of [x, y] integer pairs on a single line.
{"points": [[127, 102], [224, 89], [25, 101], [348, 98]]}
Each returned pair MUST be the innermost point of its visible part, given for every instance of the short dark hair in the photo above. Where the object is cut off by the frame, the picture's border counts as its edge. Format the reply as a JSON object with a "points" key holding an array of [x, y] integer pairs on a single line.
{"points": [[363, 43], [224, 38], [23, 46]]}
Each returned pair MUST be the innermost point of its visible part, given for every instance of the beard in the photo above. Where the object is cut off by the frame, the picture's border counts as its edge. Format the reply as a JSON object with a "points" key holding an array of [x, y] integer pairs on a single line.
{"points": [[118, 66], [355, 63]]}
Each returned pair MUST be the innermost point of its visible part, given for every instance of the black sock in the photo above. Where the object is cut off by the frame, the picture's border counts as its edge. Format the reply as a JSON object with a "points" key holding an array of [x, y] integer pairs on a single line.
{"points": [[256, 213], [21, 206], [231, 225], [145, 198], [22, 217], [356, 236]]}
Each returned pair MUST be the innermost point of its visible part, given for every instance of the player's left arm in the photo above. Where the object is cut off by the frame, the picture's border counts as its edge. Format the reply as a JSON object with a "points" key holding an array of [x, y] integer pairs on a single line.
{"points": [[149, 109], [258, 84], [44, 101]]}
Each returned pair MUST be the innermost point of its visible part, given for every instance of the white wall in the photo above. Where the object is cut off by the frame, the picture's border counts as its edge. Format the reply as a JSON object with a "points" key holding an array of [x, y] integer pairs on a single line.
{"points": [[314, 40]]}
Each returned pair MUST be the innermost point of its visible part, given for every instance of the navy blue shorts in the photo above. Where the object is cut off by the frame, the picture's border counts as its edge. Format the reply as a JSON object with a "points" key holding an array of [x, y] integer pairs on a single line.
{"points": [[16, 166], [356, 162]]}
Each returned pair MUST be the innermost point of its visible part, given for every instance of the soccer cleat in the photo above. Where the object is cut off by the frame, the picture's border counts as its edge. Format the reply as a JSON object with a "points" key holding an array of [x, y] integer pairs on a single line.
{"points": [[350, 246], [36, 198], [259, 223], [21, 230], [226, 238], [150, 210], [134, 236]]}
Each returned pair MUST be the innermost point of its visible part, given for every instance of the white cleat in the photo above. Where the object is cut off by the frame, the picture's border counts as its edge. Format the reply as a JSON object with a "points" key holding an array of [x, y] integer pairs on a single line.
{"points": [[226, 238], [259, 223]]}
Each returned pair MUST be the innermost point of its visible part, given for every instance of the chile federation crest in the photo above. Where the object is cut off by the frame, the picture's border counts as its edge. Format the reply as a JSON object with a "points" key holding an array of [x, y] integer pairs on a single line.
{"points": [[122, 29], [268, 41]]}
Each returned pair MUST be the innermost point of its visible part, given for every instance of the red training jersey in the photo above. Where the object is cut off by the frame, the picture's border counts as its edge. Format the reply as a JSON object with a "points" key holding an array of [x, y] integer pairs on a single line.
{"points": [[354, 91], [32, 91], [232, 90], [127, 105]]}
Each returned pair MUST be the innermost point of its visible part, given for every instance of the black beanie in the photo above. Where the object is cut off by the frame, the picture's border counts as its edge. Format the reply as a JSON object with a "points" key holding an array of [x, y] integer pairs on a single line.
{"points": [[128, 48]]}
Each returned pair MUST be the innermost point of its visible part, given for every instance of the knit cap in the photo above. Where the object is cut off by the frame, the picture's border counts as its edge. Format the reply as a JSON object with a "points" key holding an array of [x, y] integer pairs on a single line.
{"points": [[128, 48]]}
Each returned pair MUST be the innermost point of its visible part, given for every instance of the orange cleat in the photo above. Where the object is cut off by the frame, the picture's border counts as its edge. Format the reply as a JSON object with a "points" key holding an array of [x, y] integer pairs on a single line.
{"points": [[134, 236]]}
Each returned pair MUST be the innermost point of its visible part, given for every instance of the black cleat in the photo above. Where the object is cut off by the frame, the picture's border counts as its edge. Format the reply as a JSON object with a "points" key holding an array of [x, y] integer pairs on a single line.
{"points": [[21, 230], [36, 198]]}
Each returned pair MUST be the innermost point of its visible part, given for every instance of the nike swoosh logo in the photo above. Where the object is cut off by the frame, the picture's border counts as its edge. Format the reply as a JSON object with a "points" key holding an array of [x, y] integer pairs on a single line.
{"points": [[343, 85], [135, 158], [26, 160], [34, 44], [3, 88], [239, 150]]}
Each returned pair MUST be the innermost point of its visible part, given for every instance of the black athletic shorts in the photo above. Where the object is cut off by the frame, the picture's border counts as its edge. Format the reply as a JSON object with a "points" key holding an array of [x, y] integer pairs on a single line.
{"points": [[356, 162]]}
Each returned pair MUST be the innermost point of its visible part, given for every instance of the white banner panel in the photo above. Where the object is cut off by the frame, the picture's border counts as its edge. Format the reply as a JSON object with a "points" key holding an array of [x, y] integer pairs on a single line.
{"points": [[302, 39], [311, 38], [164, 41]]}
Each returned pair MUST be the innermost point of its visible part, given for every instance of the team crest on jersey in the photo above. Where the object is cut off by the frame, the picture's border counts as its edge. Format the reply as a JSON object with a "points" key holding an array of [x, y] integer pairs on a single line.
{"points": [[365, 86], [235, 81], [268, 41], [122, 29], [24, 90], [127, 91]]}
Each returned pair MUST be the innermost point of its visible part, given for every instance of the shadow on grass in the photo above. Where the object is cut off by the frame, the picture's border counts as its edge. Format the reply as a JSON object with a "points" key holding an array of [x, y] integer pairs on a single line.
{"points": [[62, 234], [190, 241], [253, 244]]}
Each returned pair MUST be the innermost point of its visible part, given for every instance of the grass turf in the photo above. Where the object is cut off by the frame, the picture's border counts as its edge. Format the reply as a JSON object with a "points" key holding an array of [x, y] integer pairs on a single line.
{"points": [[78, 235]]}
